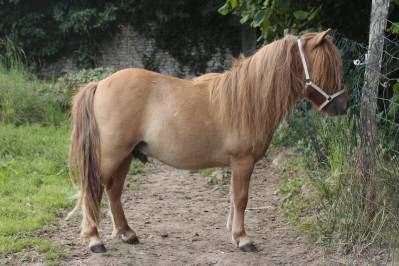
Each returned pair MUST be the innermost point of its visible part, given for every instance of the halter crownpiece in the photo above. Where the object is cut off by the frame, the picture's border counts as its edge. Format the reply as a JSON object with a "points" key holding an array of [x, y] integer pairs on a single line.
{"points": [[308, 81]]}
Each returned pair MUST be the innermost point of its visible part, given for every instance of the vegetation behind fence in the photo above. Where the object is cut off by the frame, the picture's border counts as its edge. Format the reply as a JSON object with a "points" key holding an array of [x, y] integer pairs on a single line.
{"points": [[335, 212]]}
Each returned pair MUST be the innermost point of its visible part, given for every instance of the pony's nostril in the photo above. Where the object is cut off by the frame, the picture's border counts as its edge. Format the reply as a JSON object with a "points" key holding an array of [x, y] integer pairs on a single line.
{"points": [[336, 109]]}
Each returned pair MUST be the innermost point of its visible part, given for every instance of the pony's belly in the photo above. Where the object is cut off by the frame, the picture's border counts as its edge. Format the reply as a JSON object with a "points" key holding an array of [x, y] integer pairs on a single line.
{"points": [[180, 131], [187, 159]]}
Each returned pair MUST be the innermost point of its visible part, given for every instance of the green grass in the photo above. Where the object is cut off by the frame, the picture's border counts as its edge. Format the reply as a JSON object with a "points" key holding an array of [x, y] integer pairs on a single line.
{"points": [[217, 176], [34, 187], [25, 99], [322, 193], [290, 191], [136, 167], [209, 171], [34, 184]]}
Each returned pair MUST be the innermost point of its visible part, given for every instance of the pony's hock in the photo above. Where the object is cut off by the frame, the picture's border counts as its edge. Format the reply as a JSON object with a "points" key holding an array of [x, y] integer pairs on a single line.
{"points": [[215, 120]]}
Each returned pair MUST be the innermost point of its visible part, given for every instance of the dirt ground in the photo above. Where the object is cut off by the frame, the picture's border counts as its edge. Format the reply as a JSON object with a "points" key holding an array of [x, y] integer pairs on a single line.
{"points": [[180, 219]]}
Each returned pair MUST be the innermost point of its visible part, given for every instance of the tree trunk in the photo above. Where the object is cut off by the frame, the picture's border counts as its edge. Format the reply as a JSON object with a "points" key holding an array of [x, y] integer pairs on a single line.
{"points": [[368, 107]]}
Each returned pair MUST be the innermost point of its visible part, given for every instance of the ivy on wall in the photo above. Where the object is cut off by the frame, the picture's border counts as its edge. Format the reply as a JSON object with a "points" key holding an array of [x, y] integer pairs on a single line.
{"points": [[189, 30]]}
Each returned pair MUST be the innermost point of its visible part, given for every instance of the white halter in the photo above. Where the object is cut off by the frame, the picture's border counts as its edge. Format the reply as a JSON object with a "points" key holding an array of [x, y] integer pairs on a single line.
{"points": [[309, 82]]}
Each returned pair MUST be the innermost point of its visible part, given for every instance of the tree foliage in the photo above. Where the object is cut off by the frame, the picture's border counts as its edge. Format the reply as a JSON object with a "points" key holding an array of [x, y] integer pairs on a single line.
{"points": [[46, 29], [189, 30], [273, 17]]}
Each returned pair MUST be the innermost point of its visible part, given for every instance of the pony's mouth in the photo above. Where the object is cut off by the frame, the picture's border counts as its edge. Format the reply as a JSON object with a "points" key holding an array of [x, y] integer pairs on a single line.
{"points": [[338, 106]]}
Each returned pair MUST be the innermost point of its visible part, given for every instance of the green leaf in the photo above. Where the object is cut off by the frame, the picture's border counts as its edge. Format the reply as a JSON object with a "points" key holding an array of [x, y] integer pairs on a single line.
{"points": [[396, 88], [396, 2], [313, 14], [394, 27], [233, 4], [301, 14], [282, 5], [265, 26], [259, 17], [225, 9], [266, 3], [244, 18], [266, 22]]}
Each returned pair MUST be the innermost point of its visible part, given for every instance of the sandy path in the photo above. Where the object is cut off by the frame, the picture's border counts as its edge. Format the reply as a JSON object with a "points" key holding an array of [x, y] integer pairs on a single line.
{"points": [[180, 220]]}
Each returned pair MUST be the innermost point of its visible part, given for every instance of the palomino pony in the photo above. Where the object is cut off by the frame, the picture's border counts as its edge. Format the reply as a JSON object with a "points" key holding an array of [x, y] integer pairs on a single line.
{"points": [[213, 120]]}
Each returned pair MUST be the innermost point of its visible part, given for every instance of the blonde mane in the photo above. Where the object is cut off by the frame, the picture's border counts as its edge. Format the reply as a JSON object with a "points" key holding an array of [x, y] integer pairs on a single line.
{"points": [[258, 91]]}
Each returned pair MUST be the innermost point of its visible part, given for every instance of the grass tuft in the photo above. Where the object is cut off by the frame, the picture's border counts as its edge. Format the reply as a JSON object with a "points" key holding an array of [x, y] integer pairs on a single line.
{"points": [[323, 194], [34, 186]]}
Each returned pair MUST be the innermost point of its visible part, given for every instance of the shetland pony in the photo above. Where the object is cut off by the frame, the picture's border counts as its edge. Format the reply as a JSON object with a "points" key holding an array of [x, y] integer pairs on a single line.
{"points": [[225, 119]]}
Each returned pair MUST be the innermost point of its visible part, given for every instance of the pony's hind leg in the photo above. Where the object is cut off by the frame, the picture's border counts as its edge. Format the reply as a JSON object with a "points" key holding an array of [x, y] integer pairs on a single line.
{"points": [[114, 193], [90, 231], [112, 159]]}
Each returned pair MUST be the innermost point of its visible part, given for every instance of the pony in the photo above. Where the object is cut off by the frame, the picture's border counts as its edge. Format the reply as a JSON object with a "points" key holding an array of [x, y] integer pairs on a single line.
{"points": [[218, 119]]}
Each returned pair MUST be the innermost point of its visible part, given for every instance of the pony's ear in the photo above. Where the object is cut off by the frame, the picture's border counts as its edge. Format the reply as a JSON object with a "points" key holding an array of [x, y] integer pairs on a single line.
{"points": [[320, 37]]}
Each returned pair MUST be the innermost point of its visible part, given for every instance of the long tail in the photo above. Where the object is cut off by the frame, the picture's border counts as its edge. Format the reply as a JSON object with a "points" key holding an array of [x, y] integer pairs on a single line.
{"points": [[84, 156]]}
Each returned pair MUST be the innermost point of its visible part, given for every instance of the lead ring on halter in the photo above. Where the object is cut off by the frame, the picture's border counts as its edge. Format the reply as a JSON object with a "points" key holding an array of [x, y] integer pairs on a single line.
{"points": [[308, 81]]}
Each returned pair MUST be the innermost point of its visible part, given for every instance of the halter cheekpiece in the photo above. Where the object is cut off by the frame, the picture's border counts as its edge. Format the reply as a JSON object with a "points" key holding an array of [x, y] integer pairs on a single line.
{"points": [[308, 81]]}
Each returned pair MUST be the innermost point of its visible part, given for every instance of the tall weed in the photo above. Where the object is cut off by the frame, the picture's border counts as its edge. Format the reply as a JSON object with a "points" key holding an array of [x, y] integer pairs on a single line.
{"points": [[24, 98]]}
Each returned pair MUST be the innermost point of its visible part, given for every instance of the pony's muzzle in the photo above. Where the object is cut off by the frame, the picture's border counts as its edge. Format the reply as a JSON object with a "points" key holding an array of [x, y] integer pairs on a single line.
{"points": [[338, 106]]}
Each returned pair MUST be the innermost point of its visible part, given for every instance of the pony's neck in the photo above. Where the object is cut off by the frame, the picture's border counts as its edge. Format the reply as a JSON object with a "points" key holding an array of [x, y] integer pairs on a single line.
{"points": [[256, 93], [280, 84]]}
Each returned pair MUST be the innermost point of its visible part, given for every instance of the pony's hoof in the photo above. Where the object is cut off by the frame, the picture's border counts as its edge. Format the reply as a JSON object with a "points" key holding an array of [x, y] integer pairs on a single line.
{"points": [[248, 247], [132, 241], [99, 248]]}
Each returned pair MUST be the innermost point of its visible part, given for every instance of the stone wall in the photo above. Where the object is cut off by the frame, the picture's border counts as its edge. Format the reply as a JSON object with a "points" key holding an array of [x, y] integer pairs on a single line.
{"points": [[128, 48]]}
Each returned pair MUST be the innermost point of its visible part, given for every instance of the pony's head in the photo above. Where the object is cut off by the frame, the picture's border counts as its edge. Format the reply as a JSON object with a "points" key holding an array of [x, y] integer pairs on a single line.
{"points": [[324, 87]]}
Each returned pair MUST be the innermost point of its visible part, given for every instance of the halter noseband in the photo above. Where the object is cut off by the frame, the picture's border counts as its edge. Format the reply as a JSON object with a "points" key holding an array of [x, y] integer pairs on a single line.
{"points": [[308, 82]]}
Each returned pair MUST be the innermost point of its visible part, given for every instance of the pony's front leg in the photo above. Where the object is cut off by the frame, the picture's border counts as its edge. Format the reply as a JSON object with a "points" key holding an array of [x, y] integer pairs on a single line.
{"points": [[242, 168], [231, 210]]}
